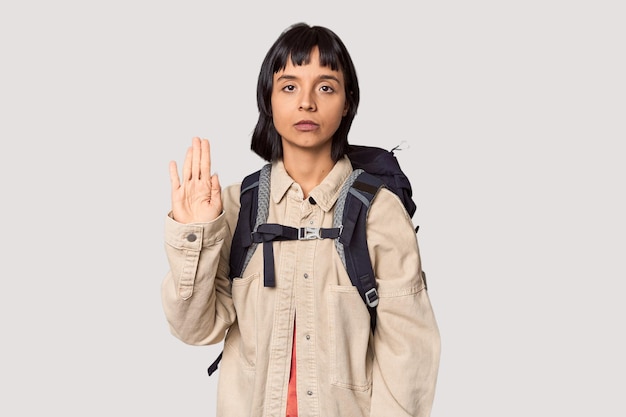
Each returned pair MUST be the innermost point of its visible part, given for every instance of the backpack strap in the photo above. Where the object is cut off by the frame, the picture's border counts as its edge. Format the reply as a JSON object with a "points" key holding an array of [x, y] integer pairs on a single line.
{"points": [[251, 228], [254, 198], [352, 209]]}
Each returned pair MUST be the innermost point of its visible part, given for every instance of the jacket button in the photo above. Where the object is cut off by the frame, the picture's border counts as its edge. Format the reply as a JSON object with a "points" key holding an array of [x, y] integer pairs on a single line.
{"points": [[309, 393], [308, 337], [191, 237], [306, 275]]}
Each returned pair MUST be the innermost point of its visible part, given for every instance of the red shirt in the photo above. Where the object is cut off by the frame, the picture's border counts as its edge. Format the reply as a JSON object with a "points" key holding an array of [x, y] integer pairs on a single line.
{"points": [[292, 403]]}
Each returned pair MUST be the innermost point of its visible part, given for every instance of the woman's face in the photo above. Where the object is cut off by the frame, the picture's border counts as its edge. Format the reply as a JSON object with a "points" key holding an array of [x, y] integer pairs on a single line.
{"points": [[308, 104]]}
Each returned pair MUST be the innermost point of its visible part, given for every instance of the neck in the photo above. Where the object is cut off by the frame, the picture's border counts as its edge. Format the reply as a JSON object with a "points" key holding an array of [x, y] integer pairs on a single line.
{"points": [[307, 168]]}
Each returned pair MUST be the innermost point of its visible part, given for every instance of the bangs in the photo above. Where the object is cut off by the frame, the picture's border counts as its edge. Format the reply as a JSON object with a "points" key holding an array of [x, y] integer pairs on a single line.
{"points": [[299, 48]]}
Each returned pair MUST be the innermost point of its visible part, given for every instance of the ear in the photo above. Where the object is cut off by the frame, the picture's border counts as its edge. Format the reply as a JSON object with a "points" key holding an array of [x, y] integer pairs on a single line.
{"points": [[346, 108]]}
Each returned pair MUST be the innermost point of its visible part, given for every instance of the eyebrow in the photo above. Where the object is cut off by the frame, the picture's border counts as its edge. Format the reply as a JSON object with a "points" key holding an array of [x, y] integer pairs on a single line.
{"points": [[321, 77]]}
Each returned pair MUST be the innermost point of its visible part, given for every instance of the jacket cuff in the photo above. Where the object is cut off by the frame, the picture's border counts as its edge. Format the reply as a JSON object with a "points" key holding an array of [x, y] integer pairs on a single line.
{"points": [[194, 236]]}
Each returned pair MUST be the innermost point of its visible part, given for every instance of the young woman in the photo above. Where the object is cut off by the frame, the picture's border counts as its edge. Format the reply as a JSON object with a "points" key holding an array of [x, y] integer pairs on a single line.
{"points": [[304, 346]]}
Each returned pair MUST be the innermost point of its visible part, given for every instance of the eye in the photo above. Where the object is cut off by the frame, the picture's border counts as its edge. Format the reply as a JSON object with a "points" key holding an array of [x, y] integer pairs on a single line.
{"points": [[327, 89], [289, 88]]}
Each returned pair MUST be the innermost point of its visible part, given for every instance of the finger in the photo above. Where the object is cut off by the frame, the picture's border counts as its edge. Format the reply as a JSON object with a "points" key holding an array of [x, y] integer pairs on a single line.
{"points": [[195, 159], [216, 189], [215, 184], [174, 179], [187, 165], [205, 159]]}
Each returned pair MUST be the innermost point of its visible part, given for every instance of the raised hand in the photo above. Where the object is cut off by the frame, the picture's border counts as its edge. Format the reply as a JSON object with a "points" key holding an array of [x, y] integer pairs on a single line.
{"points": [[197, 198]]}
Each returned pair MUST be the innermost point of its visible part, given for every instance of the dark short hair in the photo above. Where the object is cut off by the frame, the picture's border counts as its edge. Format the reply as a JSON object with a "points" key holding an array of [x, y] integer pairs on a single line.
{"points": [[297, 42]]}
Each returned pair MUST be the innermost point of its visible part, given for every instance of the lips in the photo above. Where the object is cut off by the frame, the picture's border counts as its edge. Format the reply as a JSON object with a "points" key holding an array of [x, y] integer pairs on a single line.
{"points": [[306, 125]]}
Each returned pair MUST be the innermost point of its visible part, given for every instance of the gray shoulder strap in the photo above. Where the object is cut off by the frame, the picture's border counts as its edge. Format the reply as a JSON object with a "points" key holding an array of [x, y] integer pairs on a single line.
{"points": [[339, 206], [263, 204]]}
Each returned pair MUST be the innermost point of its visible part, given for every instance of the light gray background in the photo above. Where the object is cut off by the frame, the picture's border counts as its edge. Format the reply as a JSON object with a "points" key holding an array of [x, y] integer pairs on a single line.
{"points": [[513, 113]]}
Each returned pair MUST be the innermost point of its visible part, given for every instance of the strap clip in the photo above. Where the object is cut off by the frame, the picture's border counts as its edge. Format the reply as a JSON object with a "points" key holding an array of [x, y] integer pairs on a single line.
{"points": [[309, 233], [371, 297]]}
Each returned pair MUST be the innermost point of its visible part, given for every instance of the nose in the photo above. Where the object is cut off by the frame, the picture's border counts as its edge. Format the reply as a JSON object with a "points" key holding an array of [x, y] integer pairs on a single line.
{"points": [[307, 102]]}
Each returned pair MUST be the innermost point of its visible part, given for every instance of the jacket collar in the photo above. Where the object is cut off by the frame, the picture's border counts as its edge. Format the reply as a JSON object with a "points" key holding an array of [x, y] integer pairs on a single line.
{"points": [[325, 194]]}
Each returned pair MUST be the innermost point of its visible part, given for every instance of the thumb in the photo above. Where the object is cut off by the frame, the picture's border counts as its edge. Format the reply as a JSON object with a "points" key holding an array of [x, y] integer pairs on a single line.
{"points": [[216, 188], [215, 183]]}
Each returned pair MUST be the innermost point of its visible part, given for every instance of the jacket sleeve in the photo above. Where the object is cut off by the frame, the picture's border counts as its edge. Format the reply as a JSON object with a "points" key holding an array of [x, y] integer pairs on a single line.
{"points": [[406, 338], [196, 291]]}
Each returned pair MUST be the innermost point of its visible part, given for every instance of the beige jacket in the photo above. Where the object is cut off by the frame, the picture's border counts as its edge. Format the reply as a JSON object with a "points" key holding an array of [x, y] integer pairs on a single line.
{"points": [[342, 369]]}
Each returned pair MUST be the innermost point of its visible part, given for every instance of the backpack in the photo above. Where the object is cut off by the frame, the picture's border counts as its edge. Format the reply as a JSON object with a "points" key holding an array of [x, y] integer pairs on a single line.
{"points": [[373, 168]]}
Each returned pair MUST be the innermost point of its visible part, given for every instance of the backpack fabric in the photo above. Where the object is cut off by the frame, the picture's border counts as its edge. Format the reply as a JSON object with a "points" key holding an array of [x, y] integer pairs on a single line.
{"points": [[374, 168], [384, 165]]}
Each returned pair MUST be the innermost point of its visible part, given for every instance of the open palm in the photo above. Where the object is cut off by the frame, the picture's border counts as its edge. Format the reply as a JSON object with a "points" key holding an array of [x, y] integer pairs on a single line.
{"points": [[197, 198]]}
